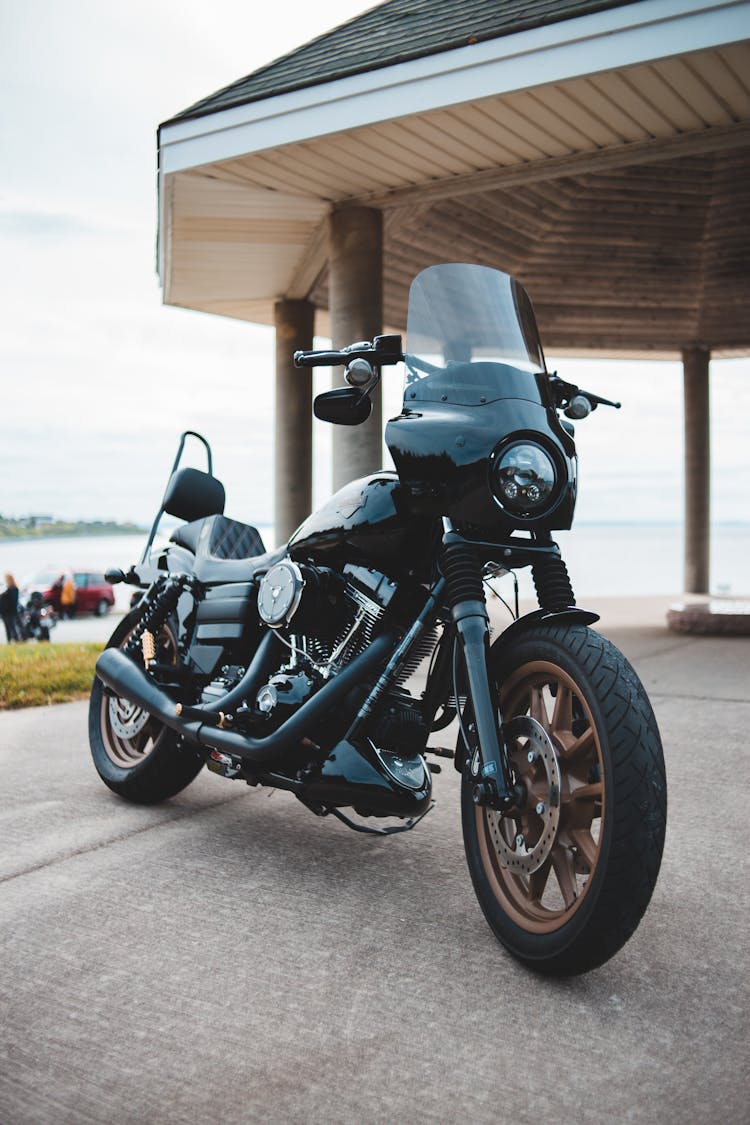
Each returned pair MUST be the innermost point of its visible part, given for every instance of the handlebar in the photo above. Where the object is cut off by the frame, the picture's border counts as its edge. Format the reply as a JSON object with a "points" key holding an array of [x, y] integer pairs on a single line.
{"points": [[564, 394], [384, 351], [321, 359]]}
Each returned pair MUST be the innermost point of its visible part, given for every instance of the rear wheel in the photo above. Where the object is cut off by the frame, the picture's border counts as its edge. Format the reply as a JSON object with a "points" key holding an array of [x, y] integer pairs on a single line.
{"points": [[564, 880], [102, 608], [134, 754]]}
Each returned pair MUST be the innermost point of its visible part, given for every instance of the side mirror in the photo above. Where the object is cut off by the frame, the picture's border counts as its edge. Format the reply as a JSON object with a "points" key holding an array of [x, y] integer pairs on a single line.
{"points": [[346, 406]]}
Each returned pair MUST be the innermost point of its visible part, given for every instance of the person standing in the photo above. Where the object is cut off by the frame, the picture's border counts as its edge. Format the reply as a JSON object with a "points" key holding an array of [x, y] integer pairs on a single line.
{"points": [[68, 596], [9, 608]]}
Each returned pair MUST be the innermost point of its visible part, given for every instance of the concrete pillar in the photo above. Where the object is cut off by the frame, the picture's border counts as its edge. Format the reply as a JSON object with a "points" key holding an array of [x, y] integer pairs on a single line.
{"points": [[355, 254], [293, 447], [695, 362]]}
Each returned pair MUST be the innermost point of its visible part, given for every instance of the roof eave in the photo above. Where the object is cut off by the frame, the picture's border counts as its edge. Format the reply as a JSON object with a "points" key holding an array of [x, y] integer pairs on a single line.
{"points": [[588, 44]]}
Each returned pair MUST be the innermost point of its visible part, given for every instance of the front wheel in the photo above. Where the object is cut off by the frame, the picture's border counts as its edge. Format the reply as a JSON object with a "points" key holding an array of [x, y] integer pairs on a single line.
{"points": [[564, 880], [136, 755]]}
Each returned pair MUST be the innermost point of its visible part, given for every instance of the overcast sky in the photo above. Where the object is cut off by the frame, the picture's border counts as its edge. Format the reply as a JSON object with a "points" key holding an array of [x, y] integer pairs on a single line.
{"points": [[98, 378]]}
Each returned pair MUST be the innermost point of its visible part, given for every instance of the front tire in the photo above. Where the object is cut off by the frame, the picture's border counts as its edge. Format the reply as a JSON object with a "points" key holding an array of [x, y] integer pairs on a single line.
{"points": [[565, 881], [135, 755]]}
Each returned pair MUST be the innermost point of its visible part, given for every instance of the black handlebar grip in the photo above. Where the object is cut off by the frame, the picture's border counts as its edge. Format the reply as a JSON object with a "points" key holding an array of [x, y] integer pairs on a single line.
{"points": [[319, 359], [384, 351]]}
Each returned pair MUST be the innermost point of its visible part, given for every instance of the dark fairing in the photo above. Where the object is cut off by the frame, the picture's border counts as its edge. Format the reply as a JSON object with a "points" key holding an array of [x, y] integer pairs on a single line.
{"points": [[444, 455], [475, 381]]}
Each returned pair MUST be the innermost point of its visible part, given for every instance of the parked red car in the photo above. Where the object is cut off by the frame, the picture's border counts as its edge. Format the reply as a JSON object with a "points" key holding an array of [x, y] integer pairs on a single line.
{"points": [[93, 593]]}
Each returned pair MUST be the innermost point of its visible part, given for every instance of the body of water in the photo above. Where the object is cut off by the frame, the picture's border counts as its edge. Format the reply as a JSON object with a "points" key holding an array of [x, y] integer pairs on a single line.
{"points": [[603, 559], [611, 559]]}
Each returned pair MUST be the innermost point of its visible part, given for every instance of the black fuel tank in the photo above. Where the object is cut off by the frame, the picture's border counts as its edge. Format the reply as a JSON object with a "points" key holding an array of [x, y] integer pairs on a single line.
{"points": [[365, 521]]}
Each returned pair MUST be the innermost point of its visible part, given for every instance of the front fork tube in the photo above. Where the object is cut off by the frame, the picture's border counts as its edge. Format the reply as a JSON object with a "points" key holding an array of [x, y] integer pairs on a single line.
{"points": [[494, 783]]}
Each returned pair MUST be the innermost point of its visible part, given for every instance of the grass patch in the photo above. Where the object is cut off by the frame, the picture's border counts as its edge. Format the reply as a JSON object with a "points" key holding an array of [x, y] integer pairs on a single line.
{"points": [[34, 675]]}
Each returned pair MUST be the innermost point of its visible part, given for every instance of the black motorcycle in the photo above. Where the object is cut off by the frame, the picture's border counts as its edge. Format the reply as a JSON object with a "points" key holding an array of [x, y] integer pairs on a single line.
{"points": [[299, 668], [36, 619]]}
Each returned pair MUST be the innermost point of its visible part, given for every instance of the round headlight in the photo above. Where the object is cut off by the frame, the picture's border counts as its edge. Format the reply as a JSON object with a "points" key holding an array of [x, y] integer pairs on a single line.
{"points": [[524, 478]]}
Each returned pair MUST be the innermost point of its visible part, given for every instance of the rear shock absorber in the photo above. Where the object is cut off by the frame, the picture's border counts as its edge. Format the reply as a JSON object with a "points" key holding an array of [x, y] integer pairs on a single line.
{"points": [[553, 588], [162, 603]]}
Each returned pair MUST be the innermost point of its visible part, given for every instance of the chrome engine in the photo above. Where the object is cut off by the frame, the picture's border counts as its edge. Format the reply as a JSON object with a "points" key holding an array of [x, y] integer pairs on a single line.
{"points": [[325, 618]]}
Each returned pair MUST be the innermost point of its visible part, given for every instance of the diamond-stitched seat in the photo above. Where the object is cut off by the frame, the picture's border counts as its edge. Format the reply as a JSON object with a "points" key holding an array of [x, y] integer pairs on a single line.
{"points": [[219, 537], [225, 550]]}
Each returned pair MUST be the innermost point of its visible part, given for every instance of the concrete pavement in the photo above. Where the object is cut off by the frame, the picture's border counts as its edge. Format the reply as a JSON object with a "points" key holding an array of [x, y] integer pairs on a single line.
{"points": [[227, 957]]}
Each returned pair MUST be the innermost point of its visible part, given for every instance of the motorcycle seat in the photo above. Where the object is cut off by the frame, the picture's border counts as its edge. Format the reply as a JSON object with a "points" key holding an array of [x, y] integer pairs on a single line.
{"points": [[213, 571], [219, 537], [225, 550]]}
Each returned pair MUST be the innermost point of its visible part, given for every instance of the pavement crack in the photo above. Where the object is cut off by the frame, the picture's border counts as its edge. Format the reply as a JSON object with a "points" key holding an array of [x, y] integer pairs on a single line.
{"points": [[697, 698], [86, 850], [678, 646]]}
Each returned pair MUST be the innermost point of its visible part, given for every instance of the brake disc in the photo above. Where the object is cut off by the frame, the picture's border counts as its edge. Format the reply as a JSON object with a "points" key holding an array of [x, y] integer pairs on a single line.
{"points": [[525, 852], [127, 719]]}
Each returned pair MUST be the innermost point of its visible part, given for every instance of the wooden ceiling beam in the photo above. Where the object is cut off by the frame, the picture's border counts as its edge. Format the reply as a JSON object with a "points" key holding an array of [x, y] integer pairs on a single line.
{"points": [[654, 150], [311, 265]]}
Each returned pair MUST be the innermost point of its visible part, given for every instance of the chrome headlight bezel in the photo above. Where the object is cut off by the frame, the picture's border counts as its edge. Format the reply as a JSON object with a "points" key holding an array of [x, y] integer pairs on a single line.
{"points": [[521, 508]]}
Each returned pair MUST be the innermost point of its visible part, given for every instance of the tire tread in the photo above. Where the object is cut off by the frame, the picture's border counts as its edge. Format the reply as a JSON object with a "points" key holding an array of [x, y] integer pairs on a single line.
{"points": [[638, 810], [163, 773]]}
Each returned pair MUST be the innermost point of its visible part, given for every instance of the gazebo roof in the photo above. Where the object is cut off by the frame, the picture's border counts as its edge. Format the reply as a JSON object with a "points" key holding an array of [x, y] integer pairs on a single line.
{"points": [[598, 151], [390, 33]]}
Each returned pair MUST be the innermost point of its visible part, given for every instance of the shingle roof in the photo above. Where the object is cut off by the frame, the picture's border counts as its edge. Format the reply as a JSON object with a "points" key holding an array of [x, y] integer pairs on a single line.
{"points": [[390, 33]]}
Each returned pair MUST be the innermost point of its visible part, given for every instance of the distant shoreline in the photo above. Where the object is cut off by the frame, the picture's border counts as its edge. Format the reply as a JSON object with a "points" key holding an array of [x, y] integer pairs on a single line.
{"points": [[59, 529]]}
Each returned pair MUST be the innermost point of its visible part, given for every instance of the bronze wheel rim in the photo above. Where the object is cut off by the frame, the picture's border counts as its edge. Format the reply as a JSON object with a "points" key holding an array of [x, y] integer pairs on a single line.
{"points": [[547, 898], [130, 734]]}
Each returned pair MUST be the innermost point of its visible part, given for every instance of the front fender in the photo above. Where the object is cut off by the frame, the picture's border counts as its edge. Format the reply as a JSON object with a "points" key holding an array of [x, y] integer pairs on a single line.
{"points": [[541, 617], [515, 631]]}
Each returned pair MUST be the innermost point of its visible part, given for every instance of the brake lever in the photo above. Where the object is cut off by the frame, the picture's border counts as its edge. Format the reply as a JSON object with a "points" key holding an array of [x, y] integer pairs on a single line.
{"points": [[595, 400], [564, 394]]}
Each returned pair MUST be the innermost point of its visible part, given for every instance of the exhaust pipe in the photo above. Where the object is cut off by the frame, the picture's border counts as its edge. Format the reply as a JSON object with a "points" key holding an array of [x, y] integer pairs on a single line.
{"points": [[128, 681]]}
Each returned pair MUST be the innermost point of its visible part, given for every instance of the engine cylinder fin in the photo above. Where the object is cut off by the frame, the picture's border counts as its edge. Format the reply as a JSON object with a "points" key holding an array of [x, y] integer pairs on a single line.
{"points": [[355, 635], [421, 651]]}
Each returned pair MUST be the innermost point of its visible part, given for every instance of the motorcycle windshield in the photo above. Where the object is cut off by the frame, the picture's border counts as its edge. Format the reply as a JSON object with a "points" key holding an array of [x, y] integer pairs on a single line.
{"points": [[471, 338]]}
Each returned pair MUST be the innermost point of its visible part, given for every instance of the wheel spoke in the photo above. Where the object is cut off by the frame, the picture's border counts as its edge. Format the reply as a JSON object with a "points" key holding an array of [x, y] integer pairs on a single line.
{"points": [[141, 740], [585, 844], [572, 747], [562, 715], [593, 792], [509, 828], [563, 863], [538, 880], [563, 772], [537, 708]]}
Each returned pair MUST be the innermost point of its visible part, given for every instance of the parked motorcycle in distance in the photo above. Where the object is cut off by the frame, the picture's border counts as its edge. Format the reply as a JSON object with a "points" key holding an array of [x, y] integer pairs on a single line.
{"points": [[36, 619], [294, 668]]}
